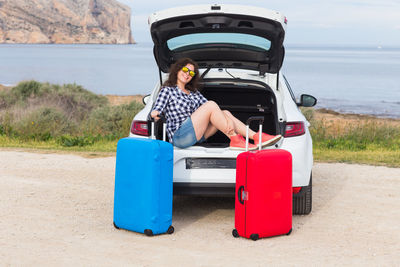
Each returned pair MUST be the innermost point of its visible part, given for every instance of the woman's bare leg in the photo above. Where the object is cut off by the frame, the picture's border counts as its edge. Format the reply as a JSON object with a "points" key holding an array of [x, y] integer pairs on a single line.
{"points": [[239, 126], [208, 113], [210, 131]]}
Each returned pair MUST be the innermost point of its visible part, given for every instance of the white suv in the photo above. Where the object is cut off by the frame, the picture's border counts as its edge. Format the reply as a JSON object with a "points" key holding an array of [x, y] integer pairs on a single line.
{"points": [[240, 52]]}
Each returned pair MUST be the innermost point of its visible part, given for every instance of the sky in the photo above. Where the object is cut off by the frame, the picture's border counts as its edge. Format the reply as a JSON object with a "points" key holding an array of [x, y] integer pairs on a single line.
{"points": [[310, 22]]}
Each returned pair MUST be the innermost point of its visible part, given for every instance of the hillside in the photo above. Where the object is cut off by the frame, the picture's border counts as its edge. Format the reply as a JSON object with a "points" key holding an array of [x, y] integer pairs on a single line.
{"points": [[64, 21]]}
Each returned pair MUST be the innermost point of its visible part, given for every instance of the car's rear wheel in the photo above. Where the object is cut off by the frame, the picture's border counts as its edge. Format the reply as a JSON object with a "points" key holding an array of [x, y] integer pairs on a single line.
{"points": [[302, 201]]}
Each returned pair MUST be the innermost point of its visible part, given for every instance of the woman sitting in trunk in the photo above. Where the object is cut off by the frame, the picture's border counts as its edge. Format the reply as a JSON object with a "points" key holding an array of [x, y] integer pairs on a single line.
{"points": [[191, 118]]}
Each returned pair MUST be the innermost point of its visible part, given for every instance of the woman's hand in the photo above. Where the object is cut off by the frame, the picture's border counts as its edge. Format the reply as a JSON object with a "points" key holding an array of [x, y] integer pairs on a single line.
{"points": [[154, 114]]}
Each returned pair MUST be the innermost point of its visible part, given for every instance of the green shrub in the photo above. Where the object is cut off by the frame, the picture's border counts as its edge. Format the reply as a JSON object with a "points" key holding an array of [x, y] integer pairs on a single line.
{"points": [[43, 124], [77, 102], [355, 137], [21, 92], [68, 113], [113, 120], [72, 99], [70, 141], [308, 113], [5, 121], [26, 89]]}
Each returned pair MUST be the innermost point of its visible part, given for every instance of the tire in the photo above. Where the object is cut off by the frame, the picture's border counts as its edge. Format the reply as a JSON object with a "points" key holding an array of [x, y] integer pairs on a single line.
{"points": [[116, 227], [235, 233], [290, 231], [302, 201], [170, 230]]}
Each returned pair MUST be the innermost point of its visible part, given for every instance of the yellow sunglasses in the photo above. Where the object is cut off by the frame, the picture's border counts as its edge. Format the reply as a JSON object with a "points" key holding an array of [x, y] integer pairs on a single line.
{"points": [[191, 73]]}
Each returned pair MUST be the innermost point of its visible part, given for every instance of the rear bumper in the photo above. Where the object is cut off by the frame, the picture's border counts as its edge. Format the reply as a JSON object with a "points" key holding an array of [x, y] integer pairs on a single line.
{"points": [[205, 189], [213, 189]]}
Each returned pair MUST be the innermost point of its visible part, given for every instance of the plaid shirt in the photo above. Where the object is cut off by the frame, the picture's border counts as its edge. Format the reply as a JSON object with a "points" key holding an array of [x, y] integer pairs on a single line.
{"points": [[177, 106]]}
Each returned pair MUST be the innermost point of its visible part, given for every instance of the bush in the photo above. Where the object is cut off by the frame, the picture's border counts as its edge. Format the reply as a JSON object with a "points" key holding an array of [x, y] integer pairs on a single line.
{"points": [[75, 102], [113, 120], [308, 113], [21, 92], [355, 137], [43, 124], [69, 141], [68, 113], [26, 89], [5, 124]]}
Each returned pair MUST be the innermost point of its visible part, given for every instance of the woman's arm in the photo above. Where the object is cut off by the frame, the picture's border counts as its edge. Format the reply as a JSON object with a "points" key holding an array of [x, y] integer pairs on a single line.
{"points": [[161, 102]]}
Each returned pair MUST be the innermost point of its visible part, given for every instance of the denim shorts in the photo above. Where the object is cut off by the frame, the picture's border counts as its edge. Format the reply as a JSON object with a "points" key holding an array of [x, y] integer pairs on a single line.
{"points": [[185, 136]]}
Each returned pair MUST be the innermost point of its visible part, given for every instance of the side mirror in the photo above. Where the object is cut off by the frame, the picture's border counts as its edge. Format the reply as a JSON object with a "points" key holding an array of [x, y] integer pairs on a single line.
{"points": [[145, 99], [307, 101]]}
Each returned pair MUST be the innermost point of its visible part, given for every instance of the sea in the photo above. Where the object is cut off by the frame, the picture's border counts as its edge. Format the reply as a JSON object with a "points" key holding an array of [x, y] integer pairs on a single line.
{"points": [[358, 80]]}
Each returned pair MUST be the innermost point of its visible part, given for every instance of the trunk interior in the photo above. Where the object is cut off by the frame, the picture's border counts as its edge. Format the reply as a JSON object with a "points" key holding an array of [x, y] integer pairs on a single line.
{"points": [[243, 100]]}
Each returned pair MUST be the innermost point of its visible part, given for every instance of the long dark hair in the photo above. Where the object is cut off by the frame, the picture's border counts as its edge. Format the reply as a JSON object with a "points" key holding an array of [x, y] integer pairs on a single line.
{"points": [[193, 85]]}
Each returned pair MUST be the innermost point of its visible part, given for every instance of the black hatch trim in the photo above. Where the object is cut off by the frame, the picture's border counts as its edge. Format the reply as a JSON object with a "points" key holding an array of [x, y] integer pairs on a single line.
{"points": [[220, 55]]}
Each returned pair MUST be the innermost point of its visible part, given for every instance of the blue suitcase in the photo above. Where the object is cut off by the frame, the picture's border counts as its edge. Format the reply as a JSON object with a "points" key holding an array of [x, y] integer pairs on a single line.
{"points": [[143, 185]]}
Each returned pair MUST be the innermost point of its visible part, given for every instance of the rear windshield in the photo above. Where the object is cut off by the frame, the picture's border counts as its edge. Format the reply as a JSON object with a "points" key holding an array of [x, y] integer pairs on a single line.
{"points": [[220, 39]]}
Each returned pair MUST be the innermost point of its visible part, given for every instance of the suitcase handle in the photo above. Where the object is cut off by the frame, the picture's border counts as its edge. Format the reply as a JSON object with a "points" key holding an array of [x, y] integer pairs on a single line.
{"points": [[249, 120], [241, 189], [164, 121], [255, 118]]}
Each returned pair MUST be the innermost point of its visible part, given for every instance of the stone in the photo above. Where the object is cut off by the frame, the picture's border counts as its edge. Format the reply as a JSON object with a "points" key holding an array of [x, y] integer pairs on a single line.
{"points": [[65, 22]]}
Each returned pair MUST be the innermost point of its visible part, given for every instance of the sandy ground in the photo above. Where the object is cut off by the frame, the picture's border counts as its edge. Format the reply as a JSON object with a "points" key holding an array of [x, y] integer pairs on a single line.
{"points": [[56, 209]]}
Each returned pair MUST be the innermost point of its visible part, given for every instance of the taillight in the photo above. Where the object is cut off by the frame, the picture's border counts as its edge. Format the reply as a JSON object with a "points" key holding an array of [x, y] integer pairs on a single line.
{"points": [[296, 190], [140, 128], [295, 128]]}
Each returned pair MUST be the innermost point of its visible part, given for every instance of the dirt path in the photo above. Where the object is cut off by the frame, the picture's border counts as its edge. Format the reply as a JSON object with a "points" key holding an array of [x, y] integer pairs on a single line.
{"points": [[56, 209]]}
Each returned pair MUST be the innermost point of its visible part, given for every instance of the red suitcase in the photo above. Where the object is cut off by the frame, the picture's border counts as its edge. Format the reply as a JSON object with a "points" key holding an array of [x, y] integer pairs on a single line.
{"points": [[263, 205]]}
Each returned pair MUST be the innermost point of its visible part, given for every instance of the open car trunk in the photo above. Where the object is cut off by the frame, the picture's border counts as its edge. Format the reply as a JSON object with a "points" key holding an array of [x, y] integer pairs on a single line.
{"points": [[243, 100], [223, 36]]}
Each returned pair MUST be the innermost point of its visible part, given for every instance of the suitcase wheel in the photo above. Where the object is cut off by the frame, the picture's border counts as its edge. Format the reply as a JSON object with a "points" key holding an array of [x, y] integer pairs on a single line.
{"points": [[116, 227], [148, 232], [290, 231], [254, 237], [235, 233], [170, 230]]}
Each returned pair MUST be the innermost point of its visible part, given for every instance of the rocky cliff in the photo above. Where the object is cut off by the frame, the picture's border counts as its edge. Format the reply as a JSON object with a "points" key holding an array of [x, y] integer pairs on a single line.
{"points": [[64, 21]]}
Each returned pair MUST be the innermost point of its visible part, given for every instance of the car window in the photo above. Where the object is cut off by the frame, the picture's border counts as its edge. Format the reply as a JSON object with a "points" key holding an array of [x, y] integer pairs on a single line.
{"points": [[289, 88], [220, 38]]}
